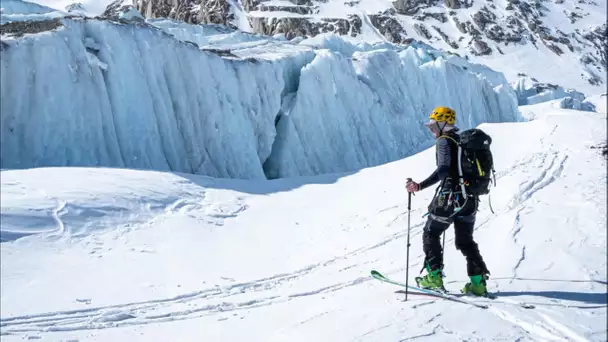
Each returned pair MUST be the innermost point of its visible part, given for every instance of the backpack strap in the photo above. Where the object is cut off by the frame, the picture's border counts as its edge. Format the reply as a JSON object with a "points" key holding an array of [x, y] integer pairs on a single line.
{"points": [[448, 137], [460, 176], [479, 170]]}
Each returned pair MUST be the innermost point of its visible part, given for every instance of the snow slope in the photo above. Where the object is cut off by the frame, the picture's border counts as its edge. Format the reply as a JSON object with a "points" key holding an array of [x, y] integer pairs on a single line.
{"points": [[209, 100], [125, 255]]}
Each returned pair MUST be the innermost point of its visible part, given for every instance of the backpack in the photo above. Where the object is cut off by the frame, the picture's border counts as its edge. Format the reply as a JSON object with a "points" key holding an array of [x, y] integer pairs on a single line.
{"points": [[476, 161]]}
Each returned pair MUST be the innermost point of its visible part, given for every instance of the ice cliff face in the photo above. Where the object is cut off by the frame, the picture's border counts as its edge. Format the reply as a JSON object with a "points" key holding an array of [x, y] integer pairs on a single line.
{"points": [[165, 95]]}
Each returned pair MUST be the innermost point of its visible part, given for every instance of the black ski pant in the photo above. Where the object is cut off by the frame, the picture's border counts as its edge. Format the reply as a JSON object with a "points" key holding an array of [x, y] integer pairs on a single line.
{"points": [[464, 223]]}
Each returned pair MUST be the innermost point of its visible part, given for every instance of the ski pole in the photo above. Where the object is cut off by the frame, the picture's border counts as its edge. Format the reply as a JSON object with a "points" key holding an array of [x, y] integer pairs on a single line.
{"points": [[407, 263]]}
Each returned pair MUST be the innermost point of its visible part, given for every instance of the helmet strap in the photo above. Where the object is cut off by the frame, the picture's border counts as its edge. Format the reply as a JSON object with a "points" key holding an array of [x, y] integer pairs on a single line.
{"points": [[439, 128]]}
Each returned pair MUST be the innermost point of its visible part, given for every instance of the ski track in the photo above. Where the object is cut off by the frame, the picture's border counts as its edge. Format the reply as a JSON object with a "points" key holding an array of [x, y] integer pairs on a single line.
{"points": [[138, 313], [520, 260], [376, 330], [562, 328], [56, 214], [200, 303], [533, 328], [549, 173], [517, 227], [312, 318], [432, 318], [429, 334]]}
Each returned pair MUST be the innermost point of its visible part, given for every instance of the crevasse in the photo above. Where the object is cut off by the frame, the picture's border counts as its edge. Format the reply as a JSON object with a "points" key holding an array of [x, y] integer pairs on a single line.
{"points": [[99, 93]]}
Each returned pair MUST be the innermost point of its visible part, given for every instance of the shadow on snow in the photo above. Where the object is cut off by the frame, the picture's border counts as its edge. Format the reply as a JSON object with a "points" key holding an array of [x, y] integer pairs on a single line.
{"points": [[583, 297]]}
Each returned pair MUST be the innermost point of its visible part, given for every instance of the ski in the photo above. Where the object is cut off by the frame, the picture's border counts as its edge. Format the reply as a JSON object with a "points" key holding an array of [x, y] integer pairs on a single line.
{"points": [[490, 296], [458, 297], [377, 275]]}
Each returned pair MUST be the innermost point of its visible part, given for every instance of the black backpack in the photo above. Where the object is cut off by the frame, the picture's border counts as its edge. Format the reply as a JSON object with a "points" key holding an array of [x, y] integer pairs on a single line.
{"points": [[476, 161]]}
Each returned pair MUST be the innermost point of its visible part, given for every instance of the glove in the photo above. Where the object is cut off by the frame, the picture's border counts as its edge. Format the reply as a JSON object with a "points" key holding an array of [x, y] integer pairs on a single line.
{"points": [[412, 186]]}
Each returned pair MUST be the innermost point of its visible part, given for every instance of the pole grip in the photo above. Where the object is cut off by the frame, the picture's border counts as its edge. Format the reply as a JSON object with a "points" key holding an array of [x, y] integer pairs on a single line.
{"points": [[409, 195]]}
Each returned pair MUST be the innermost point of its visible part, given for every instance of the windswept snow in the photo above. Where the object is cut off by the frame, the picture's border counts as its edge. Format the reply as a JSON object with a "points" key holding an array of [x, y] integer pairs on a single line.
{"points": [[93, 7], [599, 101], [137, 255], [208, 100]]}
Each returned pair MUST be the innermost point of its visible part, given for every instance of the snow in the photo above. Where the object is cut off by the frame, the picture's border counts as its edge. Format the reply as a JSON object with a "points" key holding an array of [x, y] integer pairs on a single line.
{"points": [[16, 6], [128, 255], [541, 65], [131, 13], [144, 96], [368, 32], [241, 17], [599, 102], [93, 7]]}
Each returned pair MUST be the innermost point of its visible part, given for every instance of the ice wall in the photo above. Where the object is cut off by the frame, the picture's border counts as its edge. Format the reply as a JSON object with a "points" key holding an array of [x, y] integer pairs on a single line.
{"points": [[98, 93], [374, 107], [530, 91]]}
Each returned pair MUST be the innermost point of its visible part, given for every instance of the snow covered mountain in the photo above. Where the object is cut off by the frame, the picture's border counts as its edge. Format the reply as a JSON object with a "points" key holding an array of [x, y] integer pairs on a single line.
{"points": [[124, 255], [511, 36], [119, 91]]}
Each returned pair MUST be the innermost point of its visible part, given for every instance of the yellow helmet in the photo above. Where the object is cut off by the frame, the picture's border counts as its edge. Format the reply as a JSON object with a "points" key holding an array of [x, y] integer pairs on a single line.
{"points": [[444, 114]]}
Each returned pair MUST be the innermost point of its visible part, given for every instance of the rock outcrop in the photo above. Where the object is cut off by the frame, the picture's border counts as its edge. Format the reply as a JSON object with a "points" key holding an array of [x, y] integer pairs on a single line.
{"points": [[189, 11], [19, 28], [389, 27], [76, 8], [295, 27]]}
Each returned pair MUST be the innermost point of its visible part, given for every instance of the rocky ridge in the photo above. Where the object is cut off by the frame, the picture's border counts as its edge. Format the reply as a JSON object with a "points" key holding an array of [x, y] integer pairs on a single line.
{"points": [[470, 28]]}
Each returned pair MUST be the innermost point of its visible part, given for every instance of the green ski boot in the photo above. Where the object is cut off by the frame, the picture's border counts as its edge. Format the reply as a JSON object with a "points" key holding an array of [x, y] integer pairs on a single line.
{"points": [[432, 281], [477, 286]]}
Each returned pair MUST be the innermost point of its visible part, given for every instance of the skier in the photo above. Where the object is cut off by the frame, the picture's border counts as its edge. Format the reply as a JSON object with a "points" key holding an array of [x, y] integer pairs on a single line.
{"points": [[447, 207]]}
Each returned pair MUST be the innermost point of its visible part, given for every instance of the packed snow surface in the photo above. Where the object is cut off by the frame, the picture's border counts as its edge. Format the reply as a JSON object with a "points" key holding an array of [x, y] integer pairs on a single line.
{"points": [[126, 255], [208, 100]]}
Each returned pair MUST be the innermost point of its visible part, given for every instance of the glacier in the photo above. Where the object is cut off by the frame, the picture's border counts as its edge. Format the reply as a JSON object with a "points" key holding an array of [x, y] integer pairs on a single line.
{"points": [[204, 99]]}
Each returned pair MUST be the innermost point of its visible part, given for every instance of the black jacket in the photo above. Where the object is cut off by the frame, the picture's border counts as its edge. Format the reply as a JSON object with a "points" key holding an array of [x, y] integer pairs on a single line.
{"points": [[446, 156]]}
